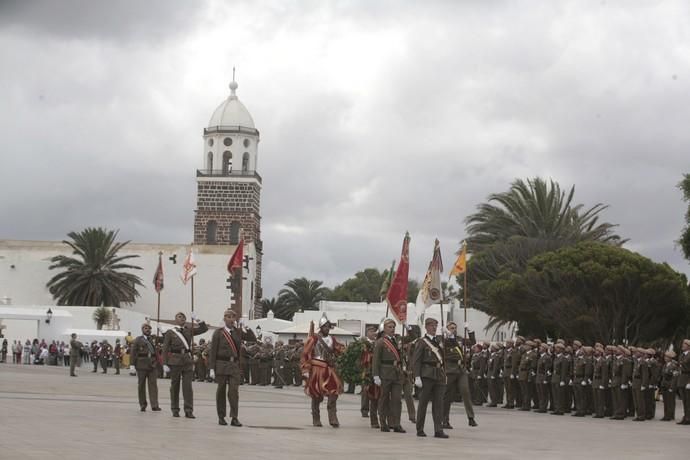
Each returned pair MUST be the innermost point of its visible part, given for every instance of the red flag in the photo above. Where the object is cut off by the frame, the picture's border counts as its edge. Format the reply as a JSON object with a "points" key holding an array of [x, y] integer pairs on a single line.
{"points": [[397, 293], [158, 276], [237, 258]]}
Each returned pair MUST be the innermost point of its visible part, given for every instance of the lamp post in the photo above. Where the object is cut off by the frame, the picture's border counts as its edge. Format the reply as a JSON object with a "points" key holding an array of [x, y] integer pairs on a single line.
{"points": [[258, 331], [49, 315]]}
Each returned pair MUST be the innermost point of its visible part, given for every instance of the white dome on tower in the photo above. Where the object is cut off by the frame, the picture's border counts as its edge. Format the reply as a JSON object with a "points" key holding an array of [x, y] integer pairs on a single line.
{"points": [[231, 112]]}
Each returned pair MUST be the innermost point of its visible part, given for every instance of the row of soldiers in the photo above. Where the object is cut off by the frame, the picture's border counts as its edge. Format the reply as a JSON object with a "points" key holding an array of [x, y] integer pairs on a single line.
{"points": [[261, 363], [602, 381]]}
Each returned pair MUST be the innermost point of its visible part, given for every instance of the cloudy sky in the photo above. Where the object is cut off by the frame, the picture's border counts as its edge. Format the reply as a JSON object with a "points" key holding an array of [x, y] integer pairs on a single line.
{"points": [[376, 117]]}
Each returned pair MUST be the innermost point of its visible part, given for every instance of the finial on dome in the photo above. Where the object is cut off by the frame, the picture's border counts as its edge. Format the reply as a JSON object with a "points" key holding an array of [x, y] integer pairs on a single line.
{"points": [[233, 84]]}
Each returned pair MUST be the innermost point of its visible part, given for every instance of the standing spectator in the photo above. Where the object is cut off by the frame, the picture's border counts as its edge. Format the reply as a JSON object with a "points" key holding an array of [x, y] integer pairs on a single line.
{"points": [[42, 357], [4, 351], [35, 350], [27, 352], [53, 354], [17, 352], [65, 353]]}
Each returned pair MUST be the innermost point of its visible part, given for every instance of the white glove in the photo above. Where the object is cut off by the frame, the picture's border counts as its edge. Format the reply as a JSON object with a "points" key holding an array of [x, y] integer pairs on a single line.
{"points": [[670, 390], [571, 382], [131, 368], [193, 316], [548, 372], [418, 382], [562, 384], [687, 387], [479, 377], [589, 381], [601, 387], [512, 377], [584, 383], [212, 373], [545, 382], [643, 388], [624, 387], [166, 368], [305, 375], [377, 380]]}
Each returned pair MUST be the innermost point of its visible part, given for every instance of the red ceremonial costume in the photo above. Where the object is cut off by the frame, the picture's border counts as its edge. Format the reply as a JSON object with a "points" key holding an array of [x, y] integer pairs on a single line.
{"points": [[318, 362]]}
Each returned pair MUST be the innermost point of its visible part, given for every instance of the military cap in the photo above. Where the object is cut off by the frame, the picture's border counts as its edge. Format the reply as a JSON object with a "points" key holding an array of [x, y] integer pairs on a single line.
{"points": [[650, 351], [627, 352], [180, 313], [530, 343], [430, 321], [485, 344], [388, 320], [143, 325], [230, 312], [74, 334], [509, 341], [568, 348], [500, 345], [633, 349], [670, 354], [559, 345], [494, 346], [452, 323], [588, 349], [520, 339], [561, 341], [537, 341], [577, 343]]}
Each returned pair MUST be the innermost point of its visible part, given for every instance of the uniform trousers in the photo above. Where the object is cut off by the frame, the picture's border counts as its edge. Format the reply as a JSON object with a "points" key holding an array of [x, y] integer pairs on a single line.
{"points": [[232, 382], [73, 363], [457, 383], [147, 378], [390, 403], [432, 390], [669, 397], [408, 390], [181, 375]]}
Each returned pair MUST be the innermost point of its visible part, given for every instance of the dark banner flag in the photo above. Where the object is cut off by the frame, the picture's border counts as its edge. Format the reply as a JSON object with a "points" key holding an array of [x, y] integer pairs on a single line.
{"points": [[158, 276], [397, 293]]}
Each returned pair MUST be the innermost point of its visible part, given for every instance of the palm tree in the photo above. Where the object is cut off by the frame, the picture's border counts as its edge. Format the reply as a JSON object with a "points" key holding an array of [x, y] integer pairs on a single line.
{"points": [[540, 210], [101, 316], [95, 276], [301, 293]]}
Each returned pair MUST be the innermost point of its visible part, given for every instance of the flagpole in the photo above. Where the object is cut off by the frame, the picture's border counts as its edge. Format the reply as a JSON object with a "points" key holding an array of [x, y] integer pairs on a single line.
{"points": [[158, 318]]}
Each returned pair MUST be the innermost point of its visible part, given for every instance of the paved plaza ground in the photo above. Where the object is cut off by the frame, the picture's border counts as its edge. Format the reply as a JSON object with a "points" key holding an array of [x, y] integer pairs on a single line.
{"points": [[46, 414]]}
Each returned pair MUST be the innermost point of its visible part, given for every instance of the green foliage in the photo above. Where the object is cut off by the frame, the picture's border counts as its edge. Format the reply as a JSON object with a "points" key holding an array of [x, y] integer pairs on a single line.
{"points": [[684, 240], [365, 286], [348, 364], [595, 292], [96, 276], [300, 293], [102, 315]]}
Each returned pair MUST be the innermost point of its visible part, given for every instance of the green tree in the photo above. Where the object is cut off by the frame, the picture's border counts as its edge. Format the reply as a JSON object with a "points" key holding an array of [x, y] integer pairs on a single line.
{"points": [[278, 307], [102, 315], [595, 292], [301, 293], [684, 240], [536, 209], [365, 286], [96, 275]]}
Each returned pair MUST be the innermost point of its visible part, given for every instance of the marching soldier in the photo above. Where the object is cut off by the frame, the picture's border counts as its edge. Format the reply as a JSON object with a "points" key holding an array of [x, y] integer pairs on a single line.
{"points": [[318, 368], [144, 360], [117, 355], [544, 366], [104, 352], [370, 391], [224, 367], [669, 383], [430, 376], [387, 371], [75, 348], [457, 380], [178, 362], [527, 373], [684, 381]]}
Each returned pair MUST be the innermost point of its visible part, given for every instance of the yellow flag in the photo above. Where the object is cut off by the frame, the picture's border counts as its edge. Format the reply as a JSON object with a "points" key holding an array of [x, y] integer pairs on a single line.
{"points": [[460, 264]]}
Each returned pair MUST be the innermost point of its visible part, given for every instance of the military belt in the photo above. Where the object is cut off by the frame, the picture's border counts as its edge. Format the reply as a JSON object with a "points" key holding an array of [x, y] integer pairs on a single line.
{"points": [[232, 359], [145, 355], [388, 361], [431, 364], [178, 352]]}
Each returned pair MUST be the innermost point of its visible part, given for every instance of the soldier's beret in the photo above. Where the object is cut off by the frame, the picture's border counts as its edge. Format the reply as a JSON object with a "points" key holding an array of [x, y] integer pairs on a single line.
{"points": [[520, 338], [650, 351], [588, 349], [568, 348], [670, 354], [529, 343], [561, 341], [229, 312], [494, 346], [430, 321], [627, 352], [559, 345], [509, 342], [179, 313], [577, 343], [485, 344]]}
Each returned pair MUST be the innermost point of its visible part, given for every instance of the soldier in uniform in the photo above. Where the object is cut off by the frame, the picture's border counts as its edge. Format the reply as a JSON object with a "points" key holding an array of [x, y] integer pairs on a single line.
{"points": [[388, 375], [253, 352], [104, 352], [93, 352], [75, 348], [527, 373], [654, 369], [508, 378], [587, 395], [430, 376], [457, 380], [617, 386], [669, 384], [117, 355], [600, 382], [296, 370], [224, 367], [609, 355], [493, 376], [476, 375], [200, 358], [484, 372], [408, 387], [370, 392], [683, 382], [178, 362], [640, 381], [544, 366], [143, 358], [559, 379], [516, 357], [318, 368], [279, 364]]}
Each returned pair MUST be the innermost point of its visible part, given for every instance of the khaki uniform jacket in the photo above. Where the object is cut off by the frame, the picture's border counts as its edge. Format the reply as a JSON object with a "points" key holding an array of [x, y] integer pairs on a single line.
{"points": [[425, 363], [544, 366], [221, 356], [515, 358], [684, 361], [175, 353], [454, 358], [75, 347], [141, 355], [385, 363], [560, 369], [508, 362], [669, 376], [528, 366]]}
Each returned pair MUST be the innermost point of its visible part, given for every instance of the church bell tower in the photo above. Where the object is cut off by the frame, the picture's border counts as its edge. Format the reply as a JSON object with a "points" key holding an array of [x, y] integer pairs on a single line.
{"points": [[229, 193]]}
